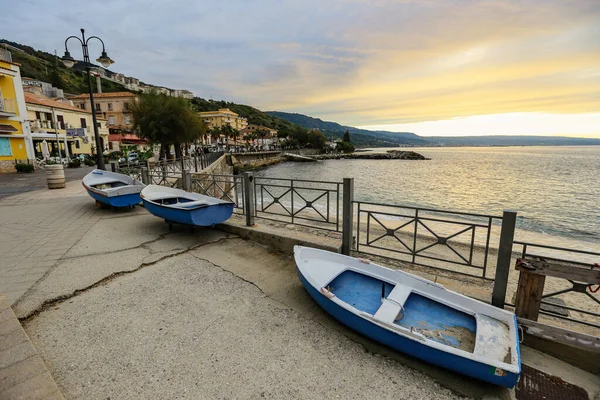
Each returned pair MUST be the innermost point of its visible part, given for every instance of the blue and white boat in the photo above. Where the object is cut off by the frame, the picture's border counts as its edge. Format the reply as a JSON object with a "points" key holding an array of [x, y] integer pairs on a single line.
{"points": [[413, 315], [113, 189], [175, 205]]}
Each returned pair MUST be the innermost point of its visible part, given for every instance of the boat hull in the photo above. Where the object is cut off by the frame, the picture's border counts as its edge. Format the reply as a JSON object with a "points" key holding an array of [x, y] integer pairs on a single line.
{"points": [[126, 200], [204, 216], [408, 346]]}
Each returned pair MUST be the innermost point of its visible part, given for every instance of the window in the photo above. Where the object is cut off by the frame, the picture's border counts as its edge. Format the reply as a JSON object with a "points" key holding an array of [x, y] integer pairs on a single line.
{"points": [[127, 120], [109, 105], [111, 120], [99, 125], [83, 122], [5, 147], [77, 144], [98, 107], [126, 106], [61, 121], [82, 106]]}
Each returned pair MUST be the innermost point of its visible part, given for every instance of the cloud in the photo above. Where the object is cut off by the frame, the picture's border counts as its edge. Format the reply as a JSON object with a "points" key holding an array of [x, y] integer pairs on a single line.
{"points": [[359, 62]]}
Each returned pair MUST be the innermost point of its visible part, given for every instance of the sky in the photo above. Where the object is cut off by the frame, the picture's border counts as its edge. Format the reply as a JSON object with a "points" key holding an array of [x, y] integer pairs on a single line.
{"points": [[432, 67]]}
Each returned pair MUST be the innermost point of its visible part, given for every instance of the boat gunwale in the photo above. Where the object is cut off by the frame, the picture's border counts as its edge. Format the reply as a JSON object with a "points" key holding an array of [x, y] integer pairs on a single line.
{"points": [[405, 332]]}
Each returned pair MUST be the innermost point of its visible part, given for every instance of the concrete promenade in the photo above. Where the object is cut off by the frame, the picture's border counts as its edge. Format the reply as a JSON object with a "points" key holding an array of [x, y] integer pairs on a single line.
{"points": [[119, 307]]}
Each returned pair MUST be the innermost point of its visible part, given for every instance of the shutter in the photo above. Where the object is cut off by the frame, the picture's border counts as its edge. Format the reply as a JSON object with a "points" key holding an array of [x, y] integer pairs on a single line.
{"points": [[5, 147]]}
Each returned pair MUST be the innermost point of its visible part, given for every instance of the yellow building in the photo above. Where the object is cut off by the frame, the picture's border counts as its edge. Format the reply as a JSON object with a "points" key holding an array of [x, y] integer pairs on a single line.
{"points": [[222, 117], [15, 137], [74, 126], [114, 107]]}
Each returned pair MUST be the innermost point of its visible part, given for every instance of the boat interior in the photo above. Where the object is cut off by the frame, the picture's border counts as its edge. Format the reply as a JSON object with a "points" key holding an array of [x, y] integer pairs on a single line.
{"points": [[110, 185], [183, 201], [398, 305]]}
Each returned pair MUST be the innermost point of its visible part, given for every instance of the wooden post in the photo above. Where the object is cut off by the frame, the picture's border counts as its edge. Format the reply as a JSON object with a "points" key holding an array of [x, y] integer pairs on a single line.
{"points": [[507, 234], [347, 215], [529, 295]]}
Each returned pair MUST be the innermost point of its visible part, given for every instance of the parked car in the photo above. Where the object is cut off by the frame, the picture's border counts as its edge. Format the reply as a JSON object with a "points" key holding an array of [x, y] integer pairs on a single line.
{"points": [[132, 159]]}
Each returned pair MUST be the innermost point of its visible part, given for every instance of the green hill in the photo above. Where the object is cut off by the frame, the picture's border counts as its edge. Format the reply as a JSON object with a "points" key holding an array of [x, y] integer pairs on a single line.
{"points": [[360, 137], [47, 67]]}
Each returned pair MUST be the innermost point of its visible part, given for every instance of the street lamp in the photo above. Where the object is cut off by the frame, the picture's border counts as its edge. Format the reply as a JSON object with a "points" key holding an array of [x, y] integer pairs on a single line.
{"points": [[105, 60]]}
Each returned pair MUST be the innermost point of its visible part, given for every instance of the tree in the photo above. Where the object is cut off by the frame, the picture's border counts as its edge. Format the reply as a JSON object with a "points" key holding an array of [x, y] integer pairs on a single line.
{"points": [[230, 132], [166, 121], [347, 137], [262, 134]]}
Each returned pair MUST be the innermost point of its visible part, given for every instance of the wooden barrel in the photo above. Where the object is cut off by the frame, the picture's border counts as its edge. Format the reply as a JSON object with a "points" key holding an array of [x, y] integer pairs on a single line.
{"points": [[55, 176]]}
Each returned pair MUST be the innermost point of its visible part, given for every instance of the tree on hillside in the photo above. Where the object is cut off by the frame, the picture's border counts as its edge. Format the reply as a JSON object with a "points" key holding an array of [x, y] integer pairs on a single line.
{"points": [[347, 136], [166, 121]]}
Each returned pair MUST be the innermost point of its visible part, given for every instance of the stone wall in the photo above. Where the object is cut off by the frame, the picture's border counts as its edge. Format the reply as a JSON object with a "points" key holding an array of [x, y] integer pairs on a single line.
{"points": [[7, 166], [249, 161], [207, 183]]}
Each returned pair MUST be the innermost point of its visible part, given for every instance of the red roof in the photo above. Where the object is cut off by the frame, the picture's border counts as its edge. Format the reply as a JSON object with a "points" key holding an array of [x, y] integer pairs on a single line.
{"points": [[104, 95], [126, 137], [33, 98]]}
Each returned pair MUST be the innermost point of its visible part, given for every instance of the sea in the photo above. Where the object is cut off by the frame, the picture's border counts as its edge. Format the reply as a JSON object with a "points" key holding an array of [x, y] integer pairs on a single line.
{"points": [[555, 190]]}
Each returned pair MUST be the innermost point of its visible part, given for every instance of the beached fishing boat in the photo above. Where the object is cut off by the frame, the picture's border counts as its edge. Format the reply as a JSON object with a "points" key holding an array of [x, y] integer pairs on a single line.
{"points": [[116, 190], [175, 205], [413, 315]]}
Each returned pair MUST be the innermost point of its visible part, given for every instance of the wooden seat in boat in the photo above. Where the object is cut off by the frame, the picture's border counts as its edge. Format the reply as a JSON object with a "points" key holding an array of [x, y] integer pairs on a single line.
{"points": [[493, 339], [392, 305]]}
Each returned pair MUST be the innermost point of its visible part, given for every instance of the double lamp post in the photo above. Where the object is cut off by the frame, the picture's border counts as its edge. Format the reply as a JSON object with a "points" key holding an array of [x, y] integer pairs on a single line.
{"points": [[105, 60]]}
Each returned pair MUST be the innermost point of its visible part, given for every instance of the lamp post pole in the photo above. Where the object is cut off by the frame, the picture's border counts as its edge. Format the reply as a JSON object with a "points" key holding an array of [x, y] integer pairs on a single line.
{"points": [[106, 62]]}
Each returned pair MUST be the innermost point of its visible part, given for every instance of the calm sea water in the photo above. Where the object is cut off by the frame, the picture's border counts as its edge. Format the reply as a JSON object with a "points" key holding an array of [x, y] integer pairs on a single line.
{"points": [[556, 190]]}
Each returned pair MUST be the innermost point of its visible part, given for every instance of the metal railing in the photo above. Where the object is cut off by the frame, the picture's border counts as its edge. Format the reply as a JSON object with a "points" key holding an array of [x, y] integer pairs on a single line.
{"points": [[224, 187], [315, 204], [447, 240], [579, 291]]}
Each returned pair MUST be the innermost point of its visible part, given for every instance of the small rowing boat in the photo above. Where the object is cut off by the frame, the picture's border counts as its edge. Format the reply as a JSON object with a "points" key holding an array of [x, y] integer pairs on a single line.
{"points": [[175, 205], [413, 315], [113, 189]]}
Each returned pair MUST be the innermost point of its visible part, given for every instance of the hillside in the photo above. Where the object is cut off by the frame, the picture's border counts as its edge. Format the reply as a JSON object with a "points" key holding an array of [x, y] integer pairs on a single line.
{"points": [[46, 67], [499, 140], [360, 137]]}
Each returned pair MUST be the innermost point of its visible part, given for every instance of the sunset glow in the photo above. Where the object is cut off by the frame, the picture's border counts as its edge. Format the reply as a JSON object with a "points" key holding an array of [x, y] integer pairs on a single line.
{"points": [[431, 67]]}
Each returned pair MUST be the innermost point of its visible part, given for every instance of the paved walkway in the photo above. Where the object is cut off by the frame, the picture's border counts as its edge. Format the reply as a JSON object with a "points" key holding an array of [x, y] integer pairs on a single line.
{"points": [[120, 307], [12, 184], [36, 229]]}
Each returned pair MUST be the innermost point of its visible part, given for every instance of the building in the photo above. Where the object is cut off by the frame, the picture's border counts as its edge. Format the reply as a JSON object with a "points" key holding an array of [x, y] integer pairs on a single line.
{"points": [[43, 88], [62, 125], [223, 116], [15, 135], [267, 141], [186, 94], [114, 107]]}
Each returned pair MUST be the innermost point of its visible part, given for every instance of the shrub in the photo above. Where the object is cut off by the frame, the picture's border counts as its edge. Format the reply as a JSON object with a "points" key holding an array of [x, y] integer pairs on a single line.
{"points": [[345, 147], [74, 163], [24, 168]]}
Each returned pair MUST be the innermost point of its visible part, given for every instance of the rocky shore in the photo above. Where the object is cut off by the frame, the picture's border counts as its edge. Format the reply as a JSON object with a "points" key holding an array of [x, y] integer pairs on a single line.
{"points": [[389, 155]]}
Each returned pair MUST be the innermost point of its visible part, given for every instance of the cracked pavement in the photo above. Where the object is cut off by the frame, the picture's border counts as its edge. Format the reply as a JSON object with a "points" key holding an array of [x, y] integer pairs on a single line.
{"points": [[129, 310]]}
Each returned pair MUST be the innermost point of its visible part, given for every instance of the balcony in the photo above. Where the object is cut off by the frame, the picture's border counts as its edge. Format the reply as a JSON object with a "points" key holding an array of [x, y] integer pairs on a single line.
{"points": [[40, 124], [8, 107]]}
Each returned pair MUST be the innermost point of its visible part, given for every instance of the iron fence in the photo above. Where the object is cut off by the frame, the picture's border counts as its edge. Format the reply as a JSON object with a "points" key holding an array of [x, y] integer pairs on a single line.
{"points": [[576, 291], [225, 187], [133, 171], [314, 204], [448, 240]]}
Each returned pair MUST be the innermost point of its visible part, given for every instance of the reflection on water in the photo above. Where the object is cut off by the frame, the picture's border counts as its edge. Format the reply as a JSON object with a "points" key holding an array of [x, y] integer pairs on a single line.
{"points": [[556, 190]]}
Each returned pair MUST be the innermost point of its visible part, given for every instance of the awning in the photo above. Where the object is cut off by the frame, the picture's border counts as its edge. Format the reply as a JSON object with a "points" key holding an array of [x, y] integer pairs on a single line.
{"points": [[8, 128]]}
